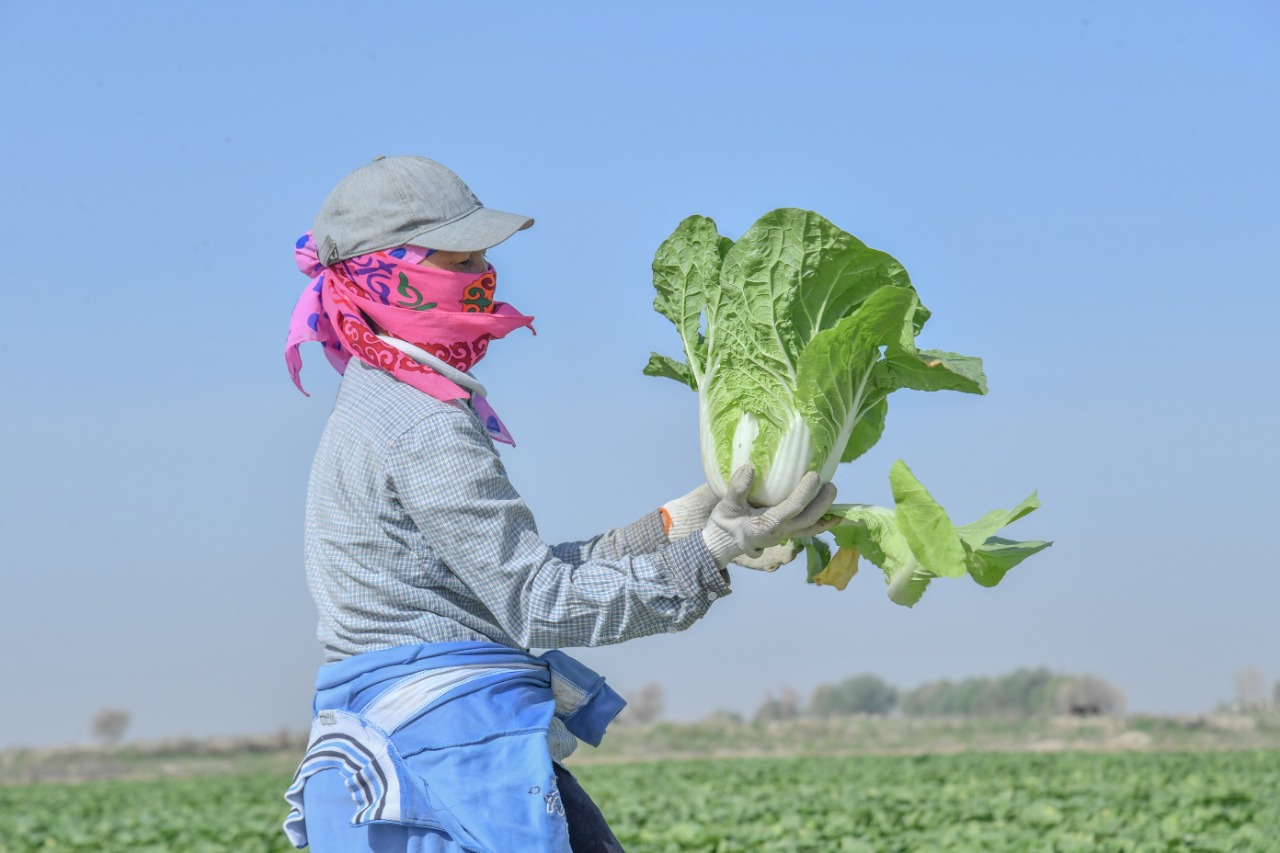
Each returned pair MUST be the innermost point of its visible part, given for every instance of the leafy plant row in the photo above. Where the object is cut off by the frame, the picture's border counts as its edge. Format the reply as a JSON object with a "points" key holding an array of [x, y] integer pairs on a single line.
{"points": [[1212, 801]]}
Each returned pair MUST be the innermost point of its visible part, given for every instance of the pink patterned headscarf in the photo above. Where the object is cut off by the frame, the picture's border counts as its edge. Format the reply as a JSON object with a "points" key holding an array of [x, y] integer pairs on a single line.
{"points": [[450, 315]]}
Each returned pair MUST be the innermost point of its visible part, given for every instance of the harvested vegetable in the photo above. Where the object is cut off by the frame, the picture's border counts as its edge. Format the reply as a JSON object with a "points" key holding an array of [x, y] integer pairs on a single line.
{"points": [[794, 337]]}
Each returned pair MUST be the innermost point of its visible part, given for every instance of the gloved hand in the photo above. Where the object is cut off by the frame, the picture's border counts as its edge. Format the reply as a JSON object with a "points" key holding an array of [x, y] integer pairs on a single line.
{"points": [[776, 556], [735, 527], [772, 558], [688, 514]]}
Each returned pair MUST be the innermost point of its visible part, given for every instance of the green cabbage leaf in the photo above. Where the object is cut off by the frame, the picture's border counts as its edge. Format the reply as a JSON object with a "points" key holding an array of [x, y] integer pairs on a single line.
{"points": [[915, 542]]}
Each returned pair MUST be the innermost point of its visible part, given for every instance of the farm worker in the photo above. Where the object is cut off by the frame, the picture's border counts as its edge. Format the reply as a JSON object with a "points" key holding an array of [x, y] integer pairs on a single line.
{"points": [[435, 728]]}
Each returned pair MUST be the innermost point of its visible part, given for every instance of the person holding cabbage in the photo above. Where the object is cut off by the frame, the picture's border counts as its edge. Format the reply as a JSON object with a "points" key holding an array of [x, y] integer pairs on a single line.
{"points": [[435, 728]]}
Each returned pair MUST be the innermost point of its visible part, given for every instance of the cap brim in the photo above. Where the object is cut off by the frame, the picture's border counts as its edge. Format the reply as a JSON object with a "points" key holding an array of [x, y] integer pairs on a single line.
{"points": [[483, 228]]}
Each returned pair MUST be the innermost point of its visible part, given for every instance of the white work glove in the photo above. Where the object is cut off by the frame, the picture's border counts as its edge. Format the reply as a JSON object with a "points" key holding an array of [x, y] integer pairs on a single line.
{"points": [[688, 514], [772, 558], [735, 528], [776, 556]]}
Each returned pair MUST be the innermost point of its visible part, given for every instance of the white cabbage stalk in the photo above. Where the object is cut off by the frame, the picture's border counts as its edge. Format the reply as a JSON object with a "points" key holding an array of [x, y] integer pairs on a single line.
{"points": [[789, 462]]}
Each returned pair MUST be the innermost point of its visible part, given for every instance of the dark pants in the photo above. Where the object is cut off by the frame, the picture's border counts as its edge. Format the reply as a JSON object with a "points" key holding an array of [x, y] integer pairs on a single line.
{"points": [[588, 830]]}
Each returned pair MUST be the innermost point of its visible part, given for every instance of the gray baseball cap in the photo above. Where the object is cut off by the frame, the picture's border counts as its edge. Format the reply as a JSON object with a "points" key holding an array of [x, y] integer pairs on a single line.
{"points": [[406, 201]]}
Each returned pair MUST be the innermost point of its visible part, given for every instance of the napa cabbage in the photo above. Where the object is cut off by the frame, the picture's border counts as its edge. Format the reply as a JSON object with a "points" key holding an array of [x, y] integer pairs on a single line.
{"points": [[794, 337]]}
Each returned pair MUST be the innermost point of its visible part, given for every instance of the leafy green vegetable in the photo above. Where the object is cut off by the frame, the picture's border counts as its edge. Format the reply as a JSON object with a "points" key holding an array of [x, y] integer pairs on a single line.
{"points": [[794, 337], [916, 542], [982, 798]]}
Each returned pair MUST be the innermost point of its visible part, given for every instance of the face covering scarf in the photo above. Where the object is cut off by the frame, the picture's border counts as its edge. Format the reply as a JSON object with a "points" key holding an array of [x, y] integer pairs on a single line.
{"points": [[449, 315]]}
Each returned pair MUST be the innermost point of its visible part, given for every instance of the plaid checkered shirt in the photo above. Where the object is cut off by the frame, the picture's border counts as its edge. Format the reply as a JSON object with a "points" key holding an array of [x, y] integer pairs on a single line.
{"points": [[414, 534]]}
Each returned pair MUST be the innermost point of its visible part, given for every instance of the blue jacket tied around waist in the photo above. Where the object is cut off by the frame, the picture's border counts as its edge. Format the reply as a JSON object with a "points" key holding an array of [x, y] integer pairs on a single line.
{"points": [[452, 737]]}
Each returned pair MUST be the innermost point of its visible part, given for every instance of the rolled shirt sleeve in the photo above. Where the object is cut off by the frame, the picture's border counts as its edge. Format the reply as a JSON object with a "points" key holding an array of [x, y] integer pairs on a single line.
{"points": [[643, 536], [446, 475]]}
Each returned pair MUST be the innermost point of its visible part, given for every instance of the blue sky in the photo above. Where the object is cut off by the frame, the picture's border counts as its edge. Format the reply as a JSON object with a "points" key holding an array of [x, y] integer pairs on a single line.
{"points": [[1084, 194]]}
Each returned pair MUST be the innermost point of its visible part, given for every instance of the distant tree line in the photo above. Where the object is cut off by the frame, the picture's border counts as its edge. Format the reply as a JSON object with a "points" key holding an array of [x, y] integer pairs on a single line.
{"points": [[1023, 693], [643, 706], [1251, 692]]}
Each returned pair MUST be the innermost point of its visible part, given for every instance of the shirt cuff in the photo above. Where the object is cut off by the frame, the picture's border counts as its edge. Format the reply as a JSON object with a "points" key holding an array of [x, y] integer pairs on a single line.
{"points": [[696, 572]]}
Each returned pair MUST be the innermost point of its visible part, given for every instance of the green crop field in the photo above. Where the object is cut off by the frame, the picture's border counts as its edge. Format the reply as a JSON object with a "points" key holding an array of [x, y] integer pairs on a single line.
{"points": [[1222, 801]]}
